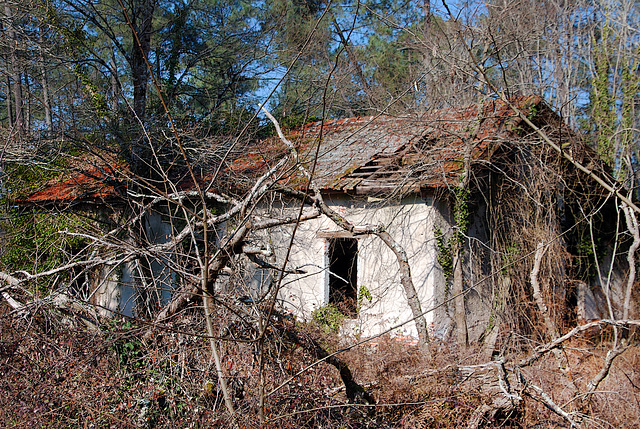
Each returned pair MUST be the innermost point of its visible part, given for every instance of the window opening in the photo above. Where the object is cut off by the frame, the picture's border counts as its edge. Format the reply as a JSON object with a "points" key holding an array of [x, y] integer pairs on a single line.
{"points": [[258, 284], [343, 275]]}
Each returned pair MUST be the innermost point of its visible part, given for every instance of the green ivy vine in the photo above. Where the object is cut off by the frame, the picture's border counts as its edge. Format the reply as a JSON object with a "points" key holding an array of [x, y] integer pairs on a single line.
{"points": [[33, 242], [461, 217], [445, 253], [461, 214], [363, 293]]}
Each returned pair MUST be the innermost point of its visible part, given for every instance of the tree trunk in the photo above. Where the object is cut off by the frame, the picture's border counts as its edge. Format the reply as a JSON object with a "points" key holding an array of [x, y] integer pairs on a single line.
{"points": [[632, 226], [142, 27], [14, 72], [45, 87], [115, 89], [8, 99], [537, 292], [461, 217], [426, 8], [27, 105], [407, 283], [354, 63], [458, 301], [355, 392], [18, 121]]}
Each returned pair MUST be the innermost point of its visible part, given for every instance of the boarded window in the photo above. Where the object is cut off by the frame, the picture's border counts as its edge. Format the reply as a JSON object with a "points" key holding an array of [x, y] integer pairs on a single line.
{"points": [[343, 274]]}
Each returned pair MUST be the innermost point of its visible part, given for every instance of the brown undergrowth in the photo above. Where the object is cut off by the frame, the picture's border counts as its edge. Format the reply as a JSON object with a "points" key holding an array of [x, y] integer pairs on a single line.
{"points": [[58, 375]]}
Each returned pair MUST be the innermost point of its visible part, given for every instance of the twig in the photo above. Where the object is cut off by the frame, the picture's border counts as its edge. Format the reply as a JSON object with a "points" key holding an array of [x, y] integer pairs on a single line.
{"points": [[602, 374]]}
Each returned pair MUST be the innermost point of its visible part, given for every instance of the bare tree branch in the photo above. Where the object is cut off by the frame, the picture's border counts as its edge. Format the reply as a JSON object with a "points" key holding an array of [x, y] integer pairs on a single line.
{"points": [[403, 262], [632, 226], [545, 348], [537, 293]]}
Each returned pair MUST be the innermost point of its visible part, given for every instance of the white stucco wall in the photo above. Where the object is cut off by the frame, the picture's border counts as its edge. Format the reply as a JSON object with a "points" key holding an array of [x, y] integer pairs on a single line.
{"points": [[118, 290], [410, 222]]}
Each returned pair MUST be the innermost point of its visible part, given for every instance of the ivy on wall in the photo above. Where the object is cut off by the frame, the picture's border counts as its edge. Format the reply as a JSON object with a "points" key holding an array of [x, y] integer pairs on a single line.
{"points": [[446, 247]]}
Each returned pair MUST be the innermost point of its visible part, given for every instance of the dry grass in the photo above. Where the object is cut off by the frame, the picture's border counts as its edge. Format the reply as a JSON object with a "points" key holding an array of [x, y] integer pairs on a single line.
{"points": [[52, 375]]}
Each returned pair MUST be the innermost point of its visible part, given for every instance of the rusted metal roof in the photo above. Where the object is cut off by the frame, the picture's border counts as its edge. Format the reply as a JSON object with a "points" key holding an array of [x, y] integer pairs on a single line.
{"points": [[91, 184], [382, 153], [355, 155], [102, 179]]}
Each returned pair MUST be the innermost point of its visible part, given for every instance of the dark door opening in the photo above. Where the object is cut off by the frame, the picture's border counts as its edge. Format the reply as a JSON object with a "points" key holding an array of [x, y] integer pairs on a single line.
{"points": [[343, 275]]}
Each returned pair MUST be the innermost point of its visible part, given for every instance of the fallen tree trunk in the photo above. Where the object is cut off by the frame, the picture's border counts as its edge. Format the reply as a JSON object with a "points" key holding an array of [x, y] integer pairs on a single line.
{"points": [[355, 392]]}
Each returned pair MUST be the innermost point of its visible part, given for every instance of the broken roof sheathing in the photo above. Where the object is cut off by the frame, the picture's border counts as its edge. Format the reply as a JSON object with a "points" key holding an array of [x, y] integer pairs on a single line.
{"points": [[383, 153]]}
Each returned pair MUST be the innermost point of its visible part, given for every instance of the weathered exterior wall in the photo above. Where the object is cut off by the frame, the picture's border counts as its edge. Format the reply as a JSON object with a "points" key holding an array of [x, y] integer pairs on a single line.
{"points": [[477, 268], [158, 231], [119, 290], [410, 222], [107, 292]]}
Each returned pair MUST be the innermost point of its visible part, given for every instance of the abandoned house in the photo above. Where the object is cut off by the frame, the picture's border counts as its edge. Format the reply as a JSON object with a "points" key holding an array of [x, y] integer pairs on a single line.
{"points": [[404, 175], [477, 173]]}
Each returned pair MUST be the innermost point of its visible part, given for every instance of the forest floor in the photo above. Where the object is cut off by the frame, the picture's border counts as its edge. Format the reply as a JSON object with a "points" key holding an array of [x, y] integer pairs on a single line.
{"points": [[54, 374]]}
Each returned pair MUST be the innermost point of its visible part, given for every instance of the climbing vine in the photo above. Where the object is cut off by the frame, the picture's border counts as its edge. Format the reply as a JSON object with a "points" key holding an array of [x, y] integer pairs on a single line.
{"points": [[33, 241], [36, 242], [446, 247], [445, 257]]}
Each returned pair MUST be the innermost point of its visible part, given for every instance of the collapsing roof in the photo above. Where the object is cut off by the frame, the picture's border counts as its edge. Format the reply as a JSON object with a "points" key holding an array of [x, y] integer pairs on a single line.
{"points": [[371, 154], [356, 155], [97, 180], [91, 181]]}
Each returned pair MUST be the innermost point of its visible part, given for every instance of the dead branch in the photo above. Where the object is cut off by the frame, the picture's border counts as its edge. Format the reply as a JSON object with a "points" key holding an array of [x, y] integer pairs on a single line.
{"points": [[223, 256], [342, 222], [7, 278], [58, 300], [266, 265], [16, 305], [604, 371], [222, 379], [403, 262], [546, 399], [407, 283], [271, 223], [492, 379], [563, 153], [12, 281], [544, 310], [355, 392], [219, 261], [505, 403], [215, 267], [632, 226], [458, 302], [545, 348], [537, 293]]}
